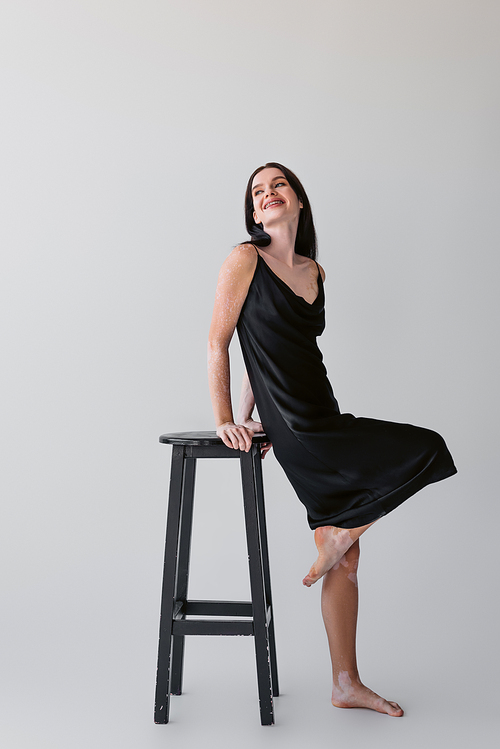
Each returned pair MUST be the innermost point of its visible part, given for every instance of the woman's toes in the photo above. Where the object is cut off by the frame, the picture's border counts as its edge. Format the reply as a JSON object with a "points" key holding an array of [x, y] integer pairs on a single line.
{"points": [[398, 709], [309, 580], [314, 574]]}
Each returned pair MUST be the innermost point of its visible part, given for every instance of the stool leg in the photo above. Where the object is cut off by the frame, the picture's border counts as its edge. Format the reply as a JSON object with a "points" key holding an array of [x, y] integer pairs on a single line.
{"points": [[181, 589], [162, 698], [257, 588], [257, 463]]}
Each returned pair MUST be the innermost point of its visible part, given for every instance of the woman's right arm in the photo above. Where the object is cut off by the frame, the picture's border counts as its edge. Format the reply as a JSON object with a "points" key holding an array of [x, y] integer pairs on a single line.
{"points": [[232, 288]]}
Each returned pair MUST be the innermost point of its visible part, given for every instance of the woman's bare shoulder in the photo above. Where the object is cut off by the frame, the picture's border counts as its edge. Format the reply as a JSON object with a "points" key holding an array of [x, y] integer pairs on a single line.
{"points": [[313, 266], [243, 251], [242, 259]]}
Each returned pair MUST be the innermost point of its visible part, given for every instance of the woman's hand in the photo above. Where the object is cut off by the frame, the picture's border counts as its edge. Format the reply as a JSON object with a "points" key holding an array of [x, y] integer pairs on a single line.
{"points": [[257, 428], [236, 436], [239, 436]]}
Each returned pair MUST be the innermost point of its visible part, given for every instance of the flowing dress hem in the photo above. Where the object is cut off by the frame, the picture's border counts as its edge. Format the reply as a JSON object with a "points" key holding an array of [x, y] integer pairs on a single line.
{"points": [[383, 505]]}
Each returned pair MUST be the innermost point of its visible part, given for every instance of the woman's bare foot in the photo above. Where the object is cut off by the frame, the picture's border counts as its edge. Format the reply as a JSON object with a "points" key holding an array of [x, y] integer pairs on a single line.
{"points": [[355, 694], [332, 543]]}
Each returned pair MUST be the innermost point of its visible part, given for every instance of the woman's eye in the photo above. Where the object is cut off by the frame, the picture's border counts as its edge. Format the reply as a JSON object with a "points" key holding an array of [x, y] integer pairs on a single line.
{"points": [[277, 184]]}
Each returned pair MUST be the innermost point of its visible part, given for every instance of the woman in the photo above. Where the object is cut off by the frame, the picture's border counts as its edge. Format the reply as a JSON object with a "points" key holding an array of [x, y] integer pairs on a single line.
{"points": [[347, 471]]}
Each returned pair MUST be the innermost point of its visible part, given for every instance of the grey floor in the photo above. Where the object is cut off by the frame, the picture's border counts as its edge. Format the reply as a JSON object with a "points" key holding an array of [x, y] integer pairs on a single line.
{"points": [[79, 669], [107, 702]]}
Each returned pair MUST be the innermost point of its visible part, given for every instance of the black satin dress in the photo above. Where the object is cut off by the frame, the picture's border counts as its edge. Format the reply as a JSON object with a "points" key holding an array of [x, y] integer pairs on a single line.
{"points": [[347, 471]]}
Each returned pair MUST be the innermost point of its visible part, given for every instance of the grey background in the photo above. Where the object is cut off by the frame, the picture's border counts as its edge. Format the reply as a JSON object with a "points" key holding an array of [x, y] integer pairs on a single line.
{"points": [[128, 134]]}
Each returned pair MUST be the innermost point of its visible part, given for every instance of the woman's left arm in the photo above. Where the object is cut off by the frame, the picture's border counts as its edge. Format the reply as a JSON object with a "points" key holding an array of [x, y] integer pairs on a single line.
{"points": [[247, 402], [245, 411]]}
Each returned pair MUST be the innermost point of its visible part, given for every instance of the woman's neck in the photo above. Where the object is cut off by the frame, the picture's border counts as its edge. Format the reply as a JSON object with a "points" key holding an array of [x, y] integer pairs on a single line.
{"points": [[282, 245]]}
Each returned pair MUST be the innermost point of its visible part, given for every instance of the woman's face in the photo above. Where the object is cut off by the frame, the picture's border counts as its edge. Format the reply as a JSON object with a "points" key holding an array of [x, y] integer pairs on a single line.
{"points": [[274, 199]]}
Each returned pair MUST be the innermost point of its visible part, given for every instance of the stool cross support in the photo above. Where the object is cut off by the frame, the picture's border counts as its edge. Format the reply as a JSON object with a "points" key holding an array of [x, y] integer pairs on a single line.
{"points": [[258, 621]]}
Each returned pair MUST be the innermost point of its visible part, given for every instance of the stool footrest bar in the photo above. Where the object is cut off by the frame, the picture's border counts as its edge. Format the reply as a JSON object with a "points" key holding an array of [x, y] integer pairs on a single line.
{"points": [[212, 627], [216, 608], [183, 626]]}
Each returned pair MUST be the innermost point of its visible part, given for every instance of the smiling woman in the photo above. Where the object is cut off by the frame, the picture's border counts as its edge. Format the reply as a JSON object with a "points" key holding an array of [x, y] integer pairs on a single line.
{"points": [[348, 471], [305, 241]]}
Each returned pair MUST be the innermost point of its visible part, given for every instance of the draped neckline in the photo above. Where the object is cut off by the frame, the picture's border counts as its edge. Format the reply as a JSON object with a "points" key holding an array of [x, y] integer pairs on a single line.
{"points": [[298, 296]]}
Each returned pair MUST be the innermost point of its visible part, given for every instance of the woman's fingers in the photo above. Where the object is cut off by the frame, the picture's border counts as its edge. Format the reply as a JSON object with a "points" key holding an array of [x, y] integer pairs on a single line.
{"points": [[226, 439], [244, 434], [255, 427], [223, 431], [266, 446], [241, 437], [233, 440], [236, 437]]}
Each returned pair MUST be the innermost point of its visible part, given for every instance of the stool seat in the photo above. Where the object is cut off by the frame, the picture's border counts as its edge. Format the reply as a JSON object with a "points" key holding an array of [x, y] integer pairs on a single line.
{"points": [[255, 617], [202, 438]]}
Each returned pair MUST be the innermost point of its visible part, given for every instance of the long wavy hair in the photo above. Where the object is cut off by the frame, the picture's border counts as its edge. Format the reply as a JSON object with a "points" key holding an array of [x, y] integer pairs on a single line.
{"points": [[305, 241]]}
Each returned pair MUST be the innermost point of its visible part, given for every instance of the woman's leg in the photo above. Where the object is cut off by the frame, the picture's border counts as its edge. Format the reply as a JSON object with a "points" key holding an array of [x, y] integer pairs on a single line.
{"points": [[332, 543], [339, 606]]}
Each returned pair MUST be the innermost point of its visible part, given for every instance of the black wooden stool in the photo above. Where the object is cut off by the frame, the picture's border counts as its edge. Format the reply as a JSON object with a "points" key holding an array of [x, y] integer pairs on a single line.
{"points": [[187, 447]]}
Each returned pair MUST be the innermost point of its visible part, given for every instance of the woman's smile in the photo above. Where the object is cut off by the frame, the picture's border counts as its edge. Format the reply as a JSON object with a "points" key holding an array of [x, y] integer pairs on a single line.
{"points": [[273, 203]]}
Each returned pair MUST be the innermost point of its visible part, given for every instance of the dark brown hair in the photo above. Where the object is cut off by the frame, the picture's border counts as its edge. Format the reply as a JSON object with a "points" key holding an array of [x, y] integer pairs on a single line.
{"points": [[305, 241]]}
